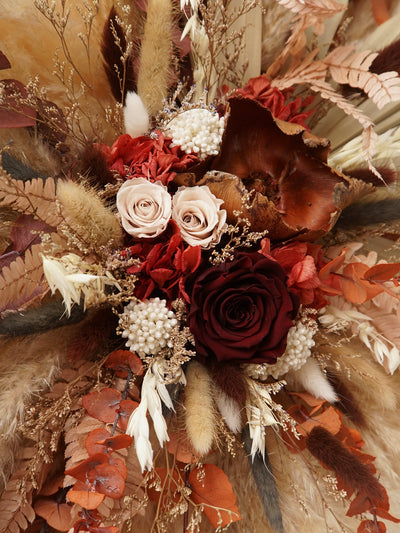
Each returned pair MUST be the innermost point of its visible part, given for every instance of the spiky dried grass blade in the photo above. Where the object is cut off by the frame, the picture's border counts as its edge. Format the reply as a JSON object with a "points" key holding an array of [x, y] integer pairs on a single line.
{"points": [[93, 224], [117, 57], [199, 408], [264, 478], [155, 55]]}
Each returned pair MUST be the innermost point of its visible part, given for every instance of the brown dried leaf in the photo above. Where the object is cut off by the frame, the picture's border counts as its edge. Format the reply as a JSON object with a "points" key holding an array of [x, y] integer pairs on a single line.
{"points": [[23, 281], [35, 197]]}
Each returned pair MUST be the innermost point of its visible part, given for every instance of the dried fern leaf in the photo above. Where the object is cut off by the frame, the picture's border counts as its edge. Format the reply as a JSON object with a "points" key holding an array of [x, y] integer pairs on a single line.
{"points": [[352, 68], [35, 197], [23, 281], [16, 511], [320, 9]]}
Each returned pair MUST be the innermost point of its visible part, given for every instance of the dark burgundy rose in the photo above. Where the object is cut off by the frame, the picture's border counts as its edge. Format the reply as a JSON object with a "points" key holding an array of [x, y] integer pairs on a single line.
{"points": [[242, 310]]}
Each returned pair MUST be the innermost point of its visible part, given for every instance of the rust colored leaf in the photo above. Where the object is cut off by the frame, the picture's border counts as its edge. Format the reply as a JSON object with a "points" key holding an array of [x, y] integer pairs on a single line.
{"points": [[123, 361], [108, 480], [353, 289], [93, 441], [171, 486], [125, 410], [382, 272], [84, 495], [333, 265], [120, 465], [81, 470], [214, 490], [52, 485], [19, 115], [179, 446], [103, 404], [100, 441], [57, 515], [310, 400], [369, 526]]}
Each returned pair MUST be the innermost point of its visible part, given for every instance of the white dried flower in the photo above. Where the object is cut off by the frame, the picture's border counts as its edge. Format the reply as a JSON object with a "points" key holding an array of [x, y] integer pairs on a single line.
{"points": [[145, 207], [197, 130], [298, 350], [199, 217], [147, 326]]}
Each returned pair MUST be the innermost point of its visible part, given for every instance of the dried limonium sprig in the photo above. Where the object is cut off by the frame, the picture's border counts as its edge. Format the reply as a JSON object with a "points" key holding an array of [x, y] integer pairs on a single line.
{"points": [[239, 233]]}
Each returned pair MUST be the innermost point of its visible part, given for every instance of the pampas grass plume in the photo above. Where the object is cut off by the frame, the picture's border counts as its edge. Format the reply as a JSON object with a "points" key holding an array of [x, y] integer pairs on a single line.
{"points": [[155, 54], [199, 415], [87, 215]]}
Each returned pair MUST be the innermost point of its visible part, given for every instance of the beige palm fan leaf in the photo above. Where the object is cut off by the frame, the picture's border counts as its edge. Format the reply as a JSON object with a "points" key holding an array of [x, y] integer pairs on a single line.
{"points": [[199, 266]]}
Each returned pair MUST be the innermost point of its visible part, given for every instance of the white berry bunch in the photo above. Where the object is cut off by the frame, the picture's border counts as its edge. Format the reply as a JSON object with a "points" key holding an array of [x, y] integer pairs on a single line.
{"points": [[147, 326], [197, 130]]}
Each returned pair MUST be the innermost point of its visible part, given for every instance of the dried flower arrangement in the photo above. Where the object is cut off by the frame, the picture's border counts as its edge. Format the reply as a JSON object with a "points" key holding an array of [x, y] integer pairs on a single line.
{"points": [[203, 288]]}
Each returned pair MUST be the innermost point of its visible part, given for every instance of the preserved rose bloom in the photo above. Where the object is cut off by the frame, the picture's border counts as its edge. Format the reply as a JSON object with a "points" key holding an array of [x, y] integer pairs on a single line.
{"points": [[145, 207], [199, 217], [242, 310]]}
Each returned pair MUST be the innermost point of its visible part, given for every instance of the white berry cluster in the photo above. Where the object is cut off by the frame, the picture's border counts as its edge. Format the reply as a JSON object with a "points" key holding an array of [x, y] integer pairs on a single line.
{"points": [[298, 350], [197, 130], [147, 326]]}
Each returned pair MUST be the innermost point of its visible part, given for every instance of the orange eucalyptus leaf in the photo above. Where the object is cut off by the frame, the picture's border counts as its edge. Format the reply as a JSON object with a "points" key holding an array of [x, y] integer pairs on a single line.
{"points": [[382, 272], [85, 496], [108, 480], [103, 404], [120, 465], [52, 485], [93, 441], [122, 361], [171, 485], [333, 265], [353, 289], [309, 399], [81, 470], [369, 526], [214, 490], [179, 446], [126, 408], [100, 441], [57, 515]]}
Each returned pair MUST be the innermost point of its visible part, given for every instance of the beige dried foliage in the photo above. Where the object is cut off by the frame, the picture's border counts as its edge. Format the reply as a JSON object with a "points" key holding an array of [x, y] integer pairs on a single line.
{"points": [[347, 67], [16, 512], [200, 417], [155, 55], [23, 281], [34, 197], [87, 217]]}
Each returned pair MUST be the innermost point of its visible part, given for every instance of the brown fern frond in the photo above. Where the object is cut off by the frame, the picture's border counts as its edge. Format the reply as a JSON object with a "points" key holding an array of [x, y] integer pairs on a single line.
{"points": [[351, 68], [23, 281], [35, 197], [16, 511], [320, 9]]}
